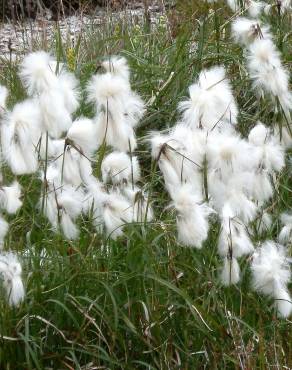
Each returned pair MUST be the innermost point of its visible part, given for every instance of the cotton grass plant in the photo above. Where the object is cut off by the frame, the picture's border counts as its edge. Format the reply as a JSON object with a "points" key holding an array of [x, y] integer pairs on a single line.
{"points": [[139, 262]]}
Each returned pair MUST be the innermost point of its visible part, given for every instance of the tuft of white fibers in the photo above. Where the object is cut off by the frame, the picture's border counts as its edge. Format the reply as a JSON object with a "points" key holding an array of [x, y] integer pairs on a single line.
{"points": [[107, 90], [267, 72], [134, 109], [141, 208], [271, 274], [110, 94], [20, 136], [255, 8], [111, 211], [68, 86], [94, 200], [179, 156], [55, 117], [211, 104], [4, 226], [264, 222], [245, 31], [118, 66], [286, 231], [270, 154], [233, 238], [10, 197], [285, 6], [233, 5], [83, 133], [120, 168], [62, 207], [192, 218], [230, 273], [73, 166], [3, 98], [11, 271], [226, 153], [36, 73], [116, 212]]}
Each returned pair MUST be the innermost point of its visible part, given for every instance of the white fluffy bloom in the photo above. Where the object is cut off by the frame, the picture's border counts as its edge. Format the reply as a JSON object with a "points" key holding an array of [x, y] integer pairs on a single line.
{"points": [[245, 31], [55, 117], [4, 226], [233, 5], [68, 86], [178, 154], [3, 98], [226, 153], [111, 211], [192, 218], [233, 239], [120, 168], [95, 197], [62, 206], [141, 208], [268, 74], [116, 212], [110, 94], [10, 197], [255, 8], [117, 66], [270, 155], [211, 104], [74, 167], [286, 231], [20, 135], [83, 133], [271, 274], [11, 271], [36, 73], [230, 273]]}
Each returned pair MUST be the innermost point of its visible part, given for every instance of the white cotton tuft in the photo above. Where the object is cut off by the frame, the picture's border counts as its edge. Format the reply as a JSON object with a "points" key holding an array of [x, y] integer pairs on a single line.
{"points": [[83, 133], [233, 5], [211, 104], [245, 31], [20, 136], [230, 273], [107, 90], [4, 226], [271, 274], [63, 205], [283, 303], [117, 66], [270, 154], [11, 271], [3, 98], [116, 212], [192, 218], [111, 95], [258, 135], [68, 86], [268, 74], [36, 73], [141, 207], [255, 8], [233, 238], [120, 168], [55, 117], [286, 231], [74, 167], [10, 197]]}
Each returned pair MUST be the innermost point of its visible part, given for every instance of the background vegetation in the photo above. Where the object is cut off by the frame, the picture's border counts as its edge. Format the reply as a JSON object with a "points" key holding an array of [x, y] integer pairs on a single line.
{"points": [[143, 301]]}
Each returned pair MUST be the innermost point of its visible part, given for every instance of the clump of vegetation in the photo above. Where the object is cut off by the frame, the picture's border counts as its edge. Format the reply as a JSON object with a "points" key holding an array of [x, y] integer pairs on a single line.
{"points": [[153, 230]]}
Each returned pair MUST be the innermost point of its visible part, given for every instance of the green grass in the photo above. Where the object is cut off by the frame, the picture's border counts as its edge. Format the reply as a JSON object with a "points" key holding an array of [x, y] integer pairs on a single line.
{"points": [[143, 301]]}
